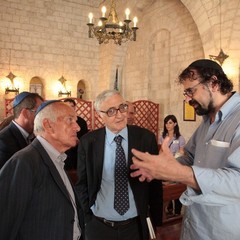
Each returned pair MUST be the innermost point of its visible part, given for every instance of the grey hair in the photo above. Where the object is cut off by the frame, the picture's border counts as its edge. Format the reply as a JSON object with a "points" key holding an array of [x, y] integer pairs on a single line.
{"points": [[50, 112], [103, 96]]}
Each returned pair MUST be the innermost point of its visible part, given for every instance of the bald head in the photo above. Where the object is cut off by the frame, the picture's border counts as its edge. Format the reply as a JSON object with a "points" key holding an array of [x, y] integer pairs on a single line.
{"points": [[57, 124]]}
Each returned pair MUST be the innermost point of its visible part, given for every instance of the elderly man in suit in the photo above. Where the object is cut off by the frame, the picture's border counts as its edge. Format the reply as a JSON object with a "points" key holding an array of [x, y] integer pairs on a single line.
{"points": [[37, 200], [15, 136], [115, 205]]}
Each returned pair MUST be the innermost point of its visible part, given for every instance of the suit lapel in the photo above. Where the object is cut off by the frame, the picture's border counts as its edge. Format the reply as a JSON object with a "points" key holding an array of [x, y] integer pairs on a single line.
{"points": [[53, 170], [98, 151], [18, 135], [132, 143]]}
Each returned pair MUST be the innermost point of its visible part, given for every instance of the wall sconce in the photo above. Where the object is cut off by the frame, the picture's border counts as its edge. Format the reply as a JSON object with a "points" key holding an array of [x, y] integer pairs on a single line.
{"points": [[63, 91], [11, 89], [11, 76], [221, 57]]}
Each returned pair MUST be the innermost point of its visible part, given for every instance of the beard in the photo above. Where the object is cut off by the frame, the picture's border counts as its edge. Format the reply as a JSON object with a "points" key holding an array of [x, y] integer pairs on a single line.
{"points": [[200, 110]]}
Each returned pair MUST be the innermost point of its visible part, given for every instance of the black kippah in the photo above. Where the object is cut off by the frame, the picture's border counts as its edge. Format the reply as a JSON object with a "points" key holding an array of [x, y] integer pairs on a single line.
{"points": [[206, 63]]}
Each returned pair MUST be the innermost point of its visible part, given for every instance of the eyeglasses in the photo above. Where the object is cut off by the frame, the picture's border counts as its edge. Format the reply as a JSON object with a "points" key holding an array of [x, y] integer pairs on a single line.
{"points": [[190, 91], [31, 110], [113, 111]]}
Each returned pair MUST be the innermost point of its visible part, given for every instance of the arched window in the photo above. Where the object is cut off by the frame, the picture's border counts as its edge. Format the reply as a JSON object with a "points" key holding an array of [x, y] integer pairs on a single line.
{"points": [[81, 90], [36, 85]]}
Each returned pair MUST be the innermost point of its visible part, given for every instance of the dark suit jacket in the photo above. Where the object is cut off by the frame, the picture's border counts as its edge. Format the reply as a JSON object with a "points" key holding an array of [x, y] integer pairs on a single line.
{"points": [[11, 141], [34, 203], [71, 161], [90, 166]]}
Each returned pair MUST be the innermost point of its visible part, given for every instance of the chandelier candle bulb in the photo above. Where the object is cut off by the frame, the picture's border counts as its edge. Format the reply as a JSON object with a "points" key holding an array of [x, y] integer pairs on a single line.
{"points": [[104, 10], [127, 12], [120, 29], [135, 20], [90, 16]]}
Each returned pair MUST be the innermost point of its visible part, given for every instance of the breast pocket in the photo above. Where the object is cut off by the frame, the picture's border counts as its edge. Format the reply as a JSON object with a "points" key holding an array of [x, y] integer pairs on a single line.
{"points": [[218, 152]]}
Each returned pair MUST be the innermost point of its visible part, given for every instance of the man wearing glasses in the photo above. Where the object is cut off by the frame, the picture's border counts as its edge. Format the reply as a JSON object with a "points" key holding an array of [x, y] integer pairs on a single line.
{"points": [[115, 205], [211, 165], [16, 135]]}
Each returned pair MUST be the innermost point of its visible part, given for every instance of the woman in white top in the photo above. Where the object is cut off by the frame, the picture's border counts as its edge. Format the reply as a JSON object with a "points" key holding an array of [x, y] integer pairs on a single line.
{"points": [[176, 145]]}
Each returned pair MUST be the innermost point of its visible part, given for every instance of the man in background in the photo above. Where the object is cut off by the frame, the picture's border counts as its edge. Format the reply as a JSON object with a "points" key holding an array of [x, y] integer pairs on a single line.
{"points": [[71, 161], [37, 200], [131, 113], [17, 134]]}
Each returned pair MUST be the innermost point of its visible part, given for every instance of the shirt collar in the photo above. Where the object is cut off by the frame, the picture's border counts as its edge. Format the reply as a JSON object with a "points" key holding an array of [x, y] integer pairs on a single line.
{"points": [[226, 108], [229, 105], [52, 152], [110, 135], [22, 130]]}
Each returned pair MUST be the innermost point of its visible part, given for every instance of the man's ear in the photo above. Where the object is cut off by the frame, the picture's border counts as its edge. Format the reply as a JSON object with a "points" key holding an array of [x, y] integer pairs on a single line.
{"points": [[25, 112], [214, 83], [47, 126]]}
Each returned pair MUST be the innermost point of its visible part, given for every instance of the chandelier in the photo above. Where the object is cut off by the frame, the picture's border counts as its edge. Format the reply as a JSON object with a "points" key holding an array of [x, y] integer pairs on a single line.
{"points": [[221, 57], [110, 28]]}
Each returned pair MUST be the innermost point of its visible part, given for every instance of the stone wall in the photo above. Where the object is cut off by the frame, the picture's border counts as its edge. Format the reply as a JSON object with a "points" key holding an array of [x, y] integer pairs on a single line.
{"points": [[47, 39]]}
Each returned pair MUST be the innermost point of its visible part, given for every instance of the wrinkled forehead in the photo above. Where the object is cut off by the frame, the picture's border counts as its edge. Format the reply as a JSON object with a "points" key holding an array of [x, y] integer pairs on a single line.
{"points": [[65, 110]]}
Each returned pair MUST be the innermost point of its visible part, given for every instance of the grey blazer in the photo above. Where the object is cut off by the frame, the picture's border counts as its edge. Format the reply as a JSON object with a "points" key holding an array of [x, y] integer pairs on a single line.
{"points": [[34, 203]]}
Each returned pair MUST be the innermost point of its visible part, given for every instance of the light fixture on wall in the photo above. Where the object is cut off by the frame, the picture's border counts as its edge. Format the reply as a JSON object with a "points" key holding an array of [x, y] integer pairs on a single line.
{"points": [[110, 28], [81, 92], [11, 76], [221, 57], [63, 91]]}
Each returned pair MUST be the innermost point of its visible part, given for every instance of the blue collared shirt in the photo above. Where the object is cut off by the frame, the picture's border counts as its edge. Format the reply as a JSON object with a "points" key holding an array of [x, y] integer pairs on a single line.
{"points": [[214, 154], [103, 206]]}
